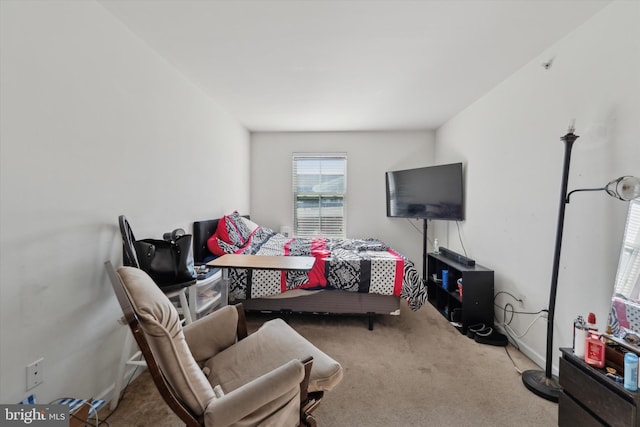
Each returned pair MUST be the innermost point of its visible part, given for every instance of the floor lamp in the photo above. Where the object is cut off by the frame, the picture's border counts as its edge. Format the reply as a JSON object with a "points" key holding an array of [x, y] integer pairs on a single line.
{"points": [[543, 383]]}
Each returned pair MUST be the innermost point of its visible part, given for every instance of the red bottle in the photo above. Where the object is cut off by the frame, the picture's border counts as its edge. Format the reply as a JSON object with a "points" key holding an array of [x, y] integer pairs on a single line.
{"points": [[594, 350]]}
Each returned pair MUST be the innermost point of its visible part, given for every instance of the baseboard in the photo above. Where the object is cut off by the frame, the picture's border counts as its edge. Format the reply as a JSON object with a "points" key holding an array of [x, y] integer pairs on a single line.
{"points": [[107, 394], [535, 357]]}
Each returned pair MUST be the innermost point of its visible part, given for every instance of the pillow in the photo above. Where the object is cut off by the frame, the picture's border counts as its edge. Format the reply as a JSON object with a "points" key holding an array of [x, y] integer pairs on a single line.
{"points": [[250, 224], [241, 225], [219, 247], [233, 230]]}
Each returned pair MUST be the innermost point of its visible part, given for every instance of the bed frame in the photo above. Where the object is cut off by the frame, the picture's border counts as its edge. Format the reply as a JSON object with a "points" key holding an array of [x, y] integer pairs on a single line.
{"points": [[315, 302]]}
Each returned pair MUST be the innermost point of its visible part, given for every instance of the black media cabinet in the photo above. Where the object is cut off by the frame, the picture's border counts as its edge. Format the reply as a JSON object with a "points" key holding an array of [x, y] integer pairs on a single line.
{"points": [[476, 304]]}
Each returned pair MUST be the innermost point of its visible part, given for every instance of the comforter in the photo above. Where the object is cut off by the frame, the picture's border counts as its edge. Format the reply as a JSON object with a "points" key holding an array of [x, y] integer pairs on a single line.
{"points": [[365, 266]]}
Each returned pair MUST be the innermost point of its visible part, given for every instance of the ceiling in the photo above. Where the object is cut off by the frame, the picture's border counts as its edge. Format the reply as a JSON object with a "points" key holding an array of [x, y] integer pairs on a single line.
{"points": [[349, 65]]}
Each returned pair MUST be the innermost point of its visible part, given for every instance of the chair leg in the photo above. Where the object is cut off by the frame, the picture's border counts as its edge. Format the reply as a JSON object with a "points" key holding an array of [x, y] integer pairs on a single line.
{"points": [[308, 406], [304, 385], [241, 330], [308, 401], [308, 421]]}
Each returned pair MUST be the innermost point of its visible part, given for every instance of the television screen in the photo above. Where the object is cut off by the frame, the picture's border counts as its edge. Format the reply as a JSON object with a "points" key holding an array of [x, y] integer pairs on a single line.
{"points": [[433, 192]]}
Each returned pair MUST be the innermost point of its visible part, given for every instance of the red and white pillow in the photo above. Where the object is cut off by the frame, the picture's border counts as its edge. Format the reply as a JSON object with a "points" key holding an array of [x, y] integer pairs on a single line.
{"points": [[219, 247], [232, 229], [232, 234]]}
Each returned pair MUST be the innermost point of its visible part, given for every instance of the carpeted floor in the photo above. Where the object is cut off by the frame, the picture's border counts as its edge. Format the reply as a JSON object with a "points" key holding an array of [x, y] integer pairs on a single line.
{"points": [[411, 370]]}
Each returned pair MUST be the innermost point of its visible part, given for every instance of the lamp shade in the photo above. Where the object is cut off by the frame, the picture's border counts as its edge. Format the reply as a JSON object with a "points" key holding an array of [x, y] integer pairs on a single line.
{"points": [[624, 188]]}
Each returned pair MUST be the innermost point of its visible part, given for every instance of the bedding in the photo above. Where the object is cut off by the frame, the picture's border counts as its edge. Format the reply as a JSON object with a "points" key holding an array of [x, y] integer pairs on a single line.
{"points": [[353, 265], [624, 316]]}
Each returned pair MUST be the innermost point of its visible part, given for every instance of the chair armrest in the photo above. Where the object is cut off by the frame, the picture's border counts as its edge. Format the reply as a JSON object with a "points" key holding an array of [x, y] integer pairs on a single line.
{"points": [[212, 333], [250, 397]]}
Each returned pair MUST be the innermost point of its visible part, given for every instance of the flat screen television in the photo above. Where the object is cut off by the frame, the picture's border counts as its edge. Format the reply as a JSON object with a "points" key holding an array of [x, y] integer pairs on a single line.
{"points": [[433, 192]]}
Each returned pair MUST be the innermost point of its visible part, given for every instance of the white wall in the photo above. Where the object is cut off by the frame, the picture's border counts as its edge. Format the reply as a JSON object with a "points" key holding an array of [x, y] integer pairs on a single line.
{"points": [[369, 156], [94, 124], [510, 142]]}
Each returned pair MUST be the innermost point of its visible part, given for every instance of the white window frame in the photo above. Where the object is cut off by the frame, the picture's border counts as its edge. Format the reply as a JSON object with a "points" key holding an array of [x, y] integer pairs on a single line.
{"points": [[328, 230], [629, 264]]}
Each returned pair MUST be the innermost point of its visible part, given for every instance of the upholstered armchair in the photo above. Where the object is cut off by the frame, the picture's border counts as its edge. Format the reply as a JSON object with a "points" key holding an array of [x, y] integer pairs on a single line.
{"points": [[212, 373]]}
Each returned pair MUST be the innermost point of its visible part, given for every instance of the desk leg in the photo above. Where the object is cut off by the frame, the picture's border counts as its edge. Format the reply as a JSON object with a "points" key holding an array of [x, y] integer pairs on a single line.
{"points": [[186, 310], [225, 287]]}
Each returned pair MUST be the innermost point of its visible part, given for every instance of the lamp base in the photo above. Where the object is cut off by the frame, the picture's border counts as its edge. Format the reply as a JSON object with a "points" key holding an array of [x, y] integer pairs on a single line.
{"points": [[540, 384]]}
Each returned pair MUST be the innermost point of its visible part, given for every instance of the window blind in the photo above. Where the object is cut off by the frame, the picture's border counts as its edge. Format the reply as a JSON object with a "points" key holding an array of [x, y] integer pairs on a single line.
{"points": [[629, 265], [319, 188]]}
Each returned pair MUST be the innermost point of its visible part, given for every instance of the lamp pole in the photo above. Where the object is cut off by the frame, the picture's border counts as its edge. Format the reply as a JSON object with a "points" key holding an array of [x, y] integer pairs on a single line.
{"points": [[543, 383]]}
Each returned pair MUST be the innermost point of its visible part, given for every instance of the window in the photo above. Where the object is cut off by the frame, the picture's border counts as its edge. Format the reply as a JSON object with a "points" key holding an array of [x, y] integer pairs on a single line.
{"points": [[628, 276], [319, 188]]}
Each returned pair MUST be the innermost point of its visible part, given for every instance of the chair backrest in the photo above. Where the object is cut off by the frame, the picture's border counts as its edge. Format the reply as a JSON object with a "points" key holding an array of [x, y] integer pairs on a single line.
{"points": [[161, 383], [129, 256]]}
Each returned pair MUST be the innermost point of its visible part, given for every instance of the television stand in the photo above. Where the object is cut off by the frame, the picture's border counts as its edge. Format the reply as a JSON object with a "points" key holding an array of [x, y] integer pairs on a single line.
{"points": [[474, 305]]}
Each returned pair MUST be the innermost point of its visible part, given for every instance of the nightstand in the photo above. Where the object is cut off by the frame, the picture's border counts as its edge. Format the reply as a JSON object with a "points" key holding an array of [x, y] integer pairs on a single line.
{"points": [[589, 398]]}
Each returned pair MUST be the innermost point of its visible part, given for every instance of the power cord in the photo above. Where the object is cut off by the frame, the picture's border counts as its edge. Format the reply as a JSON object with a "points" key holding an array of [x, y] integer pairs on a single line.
{"points": [[518, 370], [420, 231], [460, 238], [507, 293], [413, 225], [429, 240], [508, 314], [511, 331], [513, 311]]}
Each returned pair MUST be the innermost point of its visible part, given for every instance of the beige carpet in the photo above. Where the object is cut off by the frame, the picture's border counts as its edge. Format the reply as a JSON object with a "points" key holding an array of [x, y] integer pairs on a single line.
{"points": [[411, 370]]}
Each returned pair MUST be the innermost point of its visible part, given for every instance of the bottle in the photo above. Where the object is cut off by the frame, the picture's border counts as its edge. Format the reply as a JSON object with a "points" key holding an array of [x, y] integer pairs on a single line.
{"points": [[436, 246], [594, 350], [590, 328], [445, 279], [631, 372], [579, 336], [591, 323]]}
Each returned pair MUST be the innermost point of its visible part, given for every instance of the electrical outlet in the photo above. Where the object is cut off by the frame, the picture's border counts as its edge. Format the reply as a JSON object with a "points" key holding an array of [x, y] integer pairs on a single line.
{"points": [[34, 373]]}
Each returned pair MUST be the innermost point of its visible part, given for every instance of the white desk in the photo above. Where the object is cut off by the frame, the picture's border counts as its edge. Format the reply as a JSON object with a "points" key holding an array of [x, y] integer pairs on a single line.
{"points": [[262, 262]]}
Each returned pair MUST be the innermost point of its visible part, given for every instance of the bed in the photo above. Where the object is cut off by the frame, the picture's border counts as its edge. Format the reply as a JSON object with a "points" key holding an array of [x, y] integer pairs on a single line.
{"points": [[350, 276]]}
